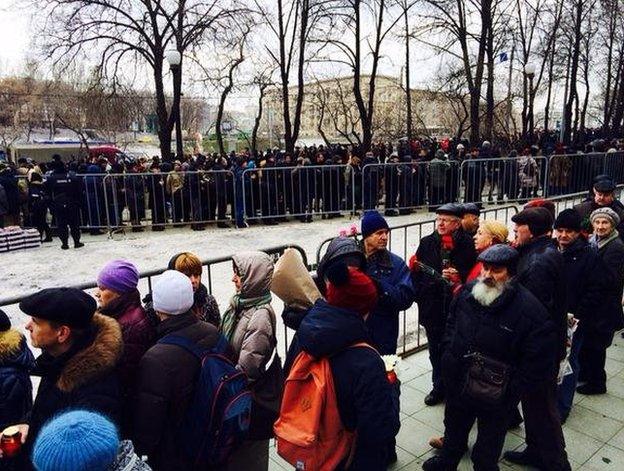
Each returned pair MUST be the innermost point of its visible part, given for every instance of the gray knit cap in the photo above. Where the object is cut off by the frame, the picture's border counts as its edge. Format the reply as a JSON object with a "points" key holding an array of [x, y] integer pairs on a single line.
{"points": [[607, 213]]}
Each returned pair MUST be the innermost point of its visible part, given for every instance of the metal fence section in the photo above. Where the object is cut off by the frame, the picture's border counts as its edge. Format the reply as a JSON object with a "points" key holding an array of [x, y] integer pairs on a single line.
{"points": [[570, 174], [302, 191], [402, 186], [137, 200], [211, 265], [159, 199], [503, 180]]}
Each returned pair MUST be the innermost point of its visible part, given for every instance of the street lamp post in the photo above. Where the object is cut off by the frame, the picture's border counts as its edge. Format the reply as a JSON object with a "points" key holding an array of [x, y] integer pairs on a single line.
{"points": [[529, 70], [175, 60]]}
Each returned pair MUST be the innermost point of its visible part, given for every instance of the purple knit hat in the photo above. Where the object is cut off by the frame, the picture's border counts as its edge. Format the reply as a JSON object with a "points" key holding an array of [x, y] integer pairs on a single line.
{"points": [[119, 275]]}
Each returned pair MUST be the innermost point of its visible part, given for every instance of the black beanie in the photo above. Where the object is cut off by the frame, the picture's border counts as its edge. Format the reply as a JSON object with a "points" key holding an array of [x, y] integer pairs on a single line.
{"points": [[569, 219]]}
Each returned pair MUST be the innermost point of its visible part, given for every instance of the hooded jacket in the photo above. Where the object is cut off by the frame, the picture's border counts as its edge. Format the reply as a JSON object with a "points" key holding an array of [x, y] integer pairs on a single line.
{"points": [[254, 338], [16, 360], [367, 402], [82, 378]]}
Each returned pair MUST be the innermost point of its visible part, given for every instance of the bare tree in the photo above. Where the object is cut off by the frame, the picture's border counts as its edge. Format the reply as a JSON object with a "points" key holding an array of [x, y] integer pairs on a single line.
{"points": [[124, 33], [262, 81], [295, 30]]}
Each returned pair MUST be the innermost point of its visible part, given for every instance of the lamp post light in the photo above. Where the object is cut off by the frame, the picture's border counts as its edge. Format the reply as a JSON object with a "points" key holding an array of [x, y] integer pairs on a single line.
{"points": [[174, 58], [529, 71]]}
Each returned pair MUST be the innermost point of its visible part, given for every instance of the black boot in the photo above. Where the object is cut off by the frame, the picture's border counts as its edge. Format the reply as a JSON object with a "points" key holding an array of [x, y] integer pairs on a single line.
{"points": [[523, 458]]}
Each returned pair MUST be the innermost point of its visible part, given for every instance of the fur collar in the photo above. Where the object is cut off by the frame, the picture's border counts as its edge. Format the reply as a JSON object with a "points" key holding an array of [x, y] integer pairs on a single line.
{"points": [[10, 343], [97, 359]]}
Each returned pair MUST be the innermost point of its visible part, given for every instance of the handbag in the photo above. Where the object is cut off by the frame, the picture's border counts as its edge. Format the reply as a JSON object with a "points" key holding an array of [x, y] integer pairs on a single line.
{"points": [[487, 379]]}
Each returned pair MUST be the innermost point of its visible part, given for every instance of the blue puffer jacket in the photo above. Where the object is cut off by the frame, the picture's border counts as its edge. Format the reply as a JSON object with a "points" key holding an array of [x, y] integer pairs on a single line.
{"points": [[16, 359], [396, 294], [367, 402]]}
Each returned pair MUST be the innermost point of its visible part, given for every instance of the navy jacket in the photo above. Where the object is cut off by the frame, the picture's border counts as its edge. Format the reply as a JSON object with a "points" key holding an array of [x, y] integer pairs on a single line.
{"points": [[16, 360], [367, 402], [396, 294]]}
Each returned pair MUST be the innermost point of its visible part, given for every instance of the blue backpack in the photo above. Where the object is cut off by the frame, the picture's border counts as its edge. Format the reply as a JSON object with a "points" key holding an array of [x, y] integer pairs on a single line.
{"points": [[218, 416]]}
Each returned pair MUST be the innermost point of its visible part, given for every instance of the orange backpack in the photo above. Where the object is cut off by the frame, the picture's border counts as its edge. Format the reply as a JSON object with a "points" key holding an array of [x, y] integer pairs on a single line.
{"points": [[309, 432]]}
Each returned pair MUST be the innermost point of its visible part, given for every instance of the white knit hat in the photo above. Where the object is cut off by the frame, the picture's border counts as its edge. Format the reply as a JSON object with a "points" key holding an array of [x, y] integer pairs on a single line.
{"points": [[173, 293]]}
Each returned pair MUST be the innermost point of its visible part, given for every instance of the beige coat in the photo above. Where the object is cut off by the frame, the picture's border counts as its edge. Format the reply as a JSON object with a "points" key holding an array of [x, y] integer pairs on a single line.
{"points": [[254, 337]]}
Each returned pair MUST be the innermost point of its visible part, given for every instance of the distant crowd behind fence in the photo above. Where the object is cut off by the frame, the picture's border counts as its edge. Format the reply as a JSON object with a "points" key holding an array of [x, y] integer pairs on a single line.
{"points": [[272, 194]]}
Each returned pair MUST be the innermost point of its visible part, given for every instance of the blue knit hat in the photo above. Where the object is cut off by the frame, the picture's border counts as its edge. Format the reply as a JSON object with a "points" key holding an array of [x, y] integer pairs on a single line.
{"points": [[76, 441], [372, 222]]}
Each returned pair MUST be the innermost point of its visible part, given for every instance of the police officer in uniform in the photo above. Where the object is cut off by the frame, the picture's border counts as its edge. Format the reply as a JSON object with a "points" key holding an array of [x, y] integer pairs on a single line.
{"points": [[65, 190]]}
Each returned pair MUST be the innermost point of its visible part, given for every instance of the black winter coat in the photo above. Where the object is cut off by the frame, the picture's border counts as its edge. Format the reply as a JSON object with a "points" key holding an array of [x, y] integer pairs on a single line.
{"points": [[514, 329], [82, 378], [16, 360], [585, 281], [165, 385], [367, 402], [540, 270], [431, 293], [609, 311]]}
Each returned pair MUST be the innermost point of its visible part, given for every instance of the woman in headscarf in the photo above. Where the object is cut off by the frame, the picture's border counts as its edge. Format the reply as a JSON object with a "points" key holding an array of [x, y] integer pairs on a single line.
{"points": [[608, 317], [249, 326]]}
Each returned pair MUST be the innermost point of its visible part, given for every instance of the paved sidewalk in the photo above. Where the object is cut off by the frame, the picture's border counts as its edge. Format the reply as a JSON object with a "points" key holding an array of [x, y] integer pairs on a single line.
{"points": [[594, 431]]}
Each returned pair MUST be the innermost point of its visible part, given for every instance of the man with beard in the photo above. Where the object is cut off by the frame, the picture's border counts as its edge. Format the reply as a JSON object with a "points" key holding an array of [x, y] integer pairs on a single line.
{"points": [[496, 327], [541, 271]]}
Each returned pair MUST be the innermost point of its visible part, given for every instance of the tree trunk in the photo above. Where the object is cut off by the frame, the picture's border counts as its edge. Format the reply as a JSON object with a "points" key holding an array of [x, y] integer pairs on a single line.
{"points": [[489, 97], [408, 90], [550, 84], [164, 130], [254, 132], [572, 93]]}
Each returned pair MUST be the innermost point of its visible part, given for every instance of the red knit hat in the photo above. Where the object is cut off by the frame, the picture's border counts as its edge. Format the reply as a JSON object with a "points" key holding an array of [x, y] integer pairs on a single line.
{"points": [[351, 289]]}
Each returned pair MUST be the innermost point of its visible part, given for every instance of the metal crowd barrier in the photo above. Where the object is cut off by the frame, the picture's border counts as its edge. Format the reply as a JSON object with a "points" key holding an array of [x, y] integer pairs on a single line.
{"points": [[403, 241], [502, 180], [301, 191], [159, 199], [207, 279], [403, 186], [570, 174]]}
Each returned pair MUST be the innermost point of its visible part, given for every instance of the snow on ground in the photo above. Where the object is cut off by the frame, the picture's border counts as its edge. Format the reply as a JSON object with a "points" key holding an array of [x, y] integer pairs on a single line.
{"points": [[28, 271]]}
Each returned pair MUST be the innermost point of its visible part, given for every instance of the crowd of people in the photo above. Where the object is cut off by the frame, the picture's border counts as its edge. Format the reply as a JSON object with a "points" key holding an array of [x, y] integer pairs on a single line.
{"points": [[269, 187], [168, 382]]}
